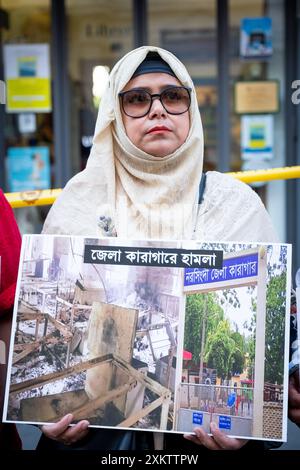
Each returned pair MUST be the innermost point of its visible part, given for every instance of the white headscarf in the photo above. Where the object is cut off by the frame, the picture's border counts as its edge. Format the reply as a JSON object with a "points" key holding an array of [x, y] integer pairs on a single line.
{"points": [[139, 192], [126, 192]]}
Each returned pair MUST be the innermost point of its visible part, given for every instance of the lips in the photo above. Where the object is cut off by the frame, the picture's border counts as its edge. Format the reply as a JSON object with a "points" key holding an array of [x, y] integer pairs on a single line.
{"points": [[158, 129]]}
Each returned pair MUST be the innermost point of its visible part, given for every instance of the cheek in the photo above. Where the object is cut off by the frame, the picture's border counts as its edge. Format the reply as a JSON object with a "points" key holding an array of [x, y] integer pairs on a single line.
{"points": [[184, 128], [131, 129]]}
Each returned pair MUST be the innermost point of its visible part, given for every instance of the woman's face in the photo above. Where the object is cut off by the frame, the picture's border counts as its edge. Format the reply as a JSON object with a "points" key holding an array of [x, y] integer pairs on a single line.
{"points": [[158, 133]]}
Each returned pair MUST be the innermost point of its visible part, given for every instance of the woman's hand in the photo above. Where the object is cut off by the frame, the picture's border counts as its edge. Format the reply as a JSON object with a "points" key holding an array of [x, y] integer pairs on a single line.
{"points": [[294, 398], [64, 433], [218, 440]]}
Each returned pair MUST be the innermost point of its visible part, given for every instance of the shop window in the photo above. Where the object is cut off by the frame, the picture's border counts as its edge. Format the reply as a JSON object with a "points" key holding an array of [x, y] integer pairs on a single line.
{"points": [[194, 43], [28, 133], [99, 34]]}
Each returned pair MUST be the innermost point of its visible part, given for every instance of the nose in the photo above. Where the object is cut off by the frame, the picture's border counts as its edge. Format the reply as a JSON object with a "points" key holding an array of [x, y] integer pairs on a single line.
{"points": [[157, 109]]}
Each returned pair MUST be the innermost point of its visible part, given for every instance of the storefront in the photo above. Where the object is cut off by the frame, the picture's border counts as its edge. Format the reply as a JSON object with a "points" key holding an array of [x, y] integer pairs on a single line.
{"points": [[85, 38]]}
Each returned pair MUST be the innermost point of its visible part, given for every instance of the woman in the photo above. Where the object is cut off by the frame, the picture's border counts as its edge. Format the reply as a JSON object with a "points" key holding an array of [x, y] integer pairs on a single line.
{"points": [[10, 245], [142, 181]]}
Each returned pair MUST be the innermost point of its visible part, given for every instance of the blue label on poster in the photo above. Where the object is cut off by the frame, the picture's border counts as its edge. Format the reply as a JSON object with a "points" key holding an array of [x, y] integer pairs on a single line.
{"points": [[224, 422], [198, 418], [233, 268], [28, 168]]}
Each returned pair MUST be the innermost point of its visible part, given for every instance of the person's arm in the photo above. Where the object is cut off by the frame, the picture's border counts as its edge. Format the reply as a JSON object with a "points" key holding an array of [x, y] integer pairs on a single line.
{"points": [[5, 326], [294, 398], [10, 244]]}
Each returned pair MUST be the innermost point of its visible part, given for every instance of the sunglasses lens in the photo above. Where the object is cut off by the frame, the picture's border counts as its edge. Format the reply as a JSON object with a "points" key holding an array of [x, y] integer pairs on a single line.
{"points": [[176, 100], [136, 103]]}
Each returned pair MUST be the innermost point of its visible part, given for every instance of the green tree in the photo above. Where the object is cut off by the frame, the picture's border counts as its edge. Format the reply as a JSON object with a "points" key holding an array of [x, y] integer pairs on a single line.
{"points": [[199, 307], [220, 349], [224, 349], [274, 334], [238, 357], [275, 322]]}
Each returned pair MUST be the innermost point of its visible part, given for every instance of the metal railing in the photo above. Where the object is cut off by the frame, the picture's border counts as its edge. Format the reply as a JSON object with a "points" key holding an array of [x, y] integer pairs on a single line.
{"points": [[219, 399], [273, 393], [223, 399], [48, 196]]}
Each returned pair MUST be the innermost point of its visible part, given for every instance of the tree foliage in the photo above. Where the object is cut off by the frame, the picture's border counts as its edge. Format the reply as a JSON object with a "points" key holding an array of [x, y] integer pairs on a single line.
{"points": [[224, 349], [238, 356], [220, 349], [275, 321], [199, 306], [274, 334]]}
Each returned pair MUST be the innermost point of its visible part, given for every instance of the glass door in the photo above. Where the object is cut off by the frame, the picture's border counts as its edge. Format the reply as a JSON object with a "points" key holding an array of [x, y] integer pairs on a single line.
{"points": [[188, 29]]}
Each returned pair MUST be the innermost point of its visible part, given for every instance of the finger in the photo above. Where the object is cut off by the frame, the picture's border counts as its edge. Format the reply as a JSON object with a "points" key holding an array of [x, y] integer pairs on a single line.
{"points": [[192, 438], [225, 442], [206, 440], [54, 430], [75, 433]]}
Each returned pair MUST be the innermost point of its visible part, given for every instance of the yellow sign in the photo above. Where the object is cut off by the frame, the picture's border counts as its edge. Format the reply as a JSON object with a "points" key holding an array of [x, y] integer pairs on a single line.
{"points": [[28, 79], [28, 94]]}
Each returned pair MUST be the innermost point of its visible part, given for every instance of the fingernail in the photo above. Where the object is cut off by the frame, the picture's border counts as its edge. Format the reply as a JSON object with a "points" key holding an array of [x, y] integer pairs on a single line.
{"points": [[213, 426], [188, 436], [69, 417], [84, 425]]}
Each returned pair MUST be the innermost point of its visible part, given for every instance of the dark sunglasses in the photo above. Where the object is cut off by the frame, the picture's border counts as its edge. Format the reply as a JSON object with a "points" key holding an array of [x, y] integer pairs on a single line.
{"points": [[137, 102]]}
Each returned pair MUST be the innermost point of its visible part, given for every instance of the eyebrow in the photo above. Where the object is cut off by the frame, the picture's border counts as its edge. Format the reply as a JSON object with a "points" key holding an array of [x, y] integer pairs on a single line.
{"points": [[162, 88]]}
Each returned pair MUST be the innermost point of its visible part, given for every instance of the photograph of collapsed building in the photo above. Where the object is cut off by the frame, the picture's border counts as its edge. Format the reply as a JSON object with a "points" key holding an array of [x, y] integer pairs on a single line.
{"points": [[99, 341]]}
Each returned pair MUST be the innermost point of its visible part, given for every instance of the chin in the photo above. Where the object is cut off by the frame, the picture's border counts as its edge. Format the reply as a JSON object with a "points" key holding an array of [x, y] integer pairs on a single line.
{"points": [[160, 152]]}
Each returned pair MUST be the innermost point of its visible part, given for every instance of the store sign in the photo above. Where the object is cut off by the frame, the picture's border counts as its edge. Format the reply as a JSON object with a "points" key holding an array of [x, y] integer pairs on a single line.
{"points": [[256, 97], [28, 168], [256, 37], [257, 137], [27, 75], [26, 123], [96, 30]]}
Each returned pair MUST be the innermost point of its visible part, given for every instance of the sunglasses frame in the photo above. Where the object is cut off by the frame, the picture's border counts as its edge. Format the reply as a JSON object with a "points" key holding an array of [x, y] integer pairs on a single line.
{"points": [[154, 96]]}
